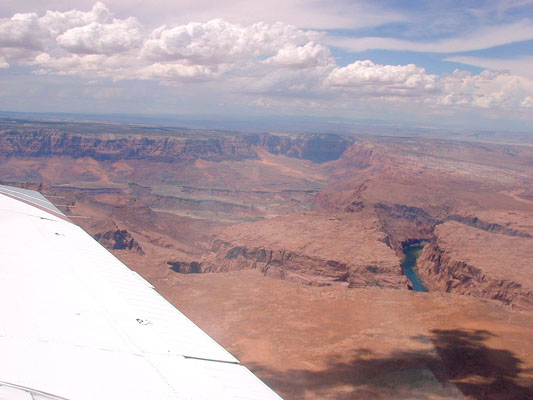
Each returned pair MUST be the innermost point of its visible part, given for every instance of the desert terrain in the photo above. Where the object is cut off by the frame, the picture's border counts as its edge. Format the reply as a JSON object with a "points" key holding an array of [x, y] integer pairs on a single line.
{"points": [[287, 248]]}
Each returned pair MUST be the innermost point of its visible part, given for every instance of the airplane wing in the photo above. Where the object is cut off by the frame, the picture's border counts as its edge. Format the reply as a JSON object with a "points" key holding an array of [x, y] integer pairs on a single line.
{"points": [[77, 324]]}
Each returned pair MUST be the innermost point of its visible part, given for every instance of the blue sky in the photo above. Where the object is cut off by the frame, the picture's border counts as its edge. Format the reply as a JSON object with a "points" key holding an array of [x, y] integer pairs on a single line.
{"points": [[463, 62]]}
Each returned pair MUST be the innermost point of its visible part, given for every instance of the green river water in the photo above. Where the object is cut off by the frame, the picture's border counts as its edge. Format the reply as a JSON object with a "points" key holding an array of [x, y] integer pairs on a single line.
{"points": [[409, 266]]}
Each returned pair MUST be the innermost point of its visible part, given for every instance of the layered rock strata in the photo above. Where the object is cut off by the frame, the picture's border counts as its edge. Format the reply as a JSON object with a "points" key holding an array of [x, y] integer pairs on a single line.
{"points": [[46, 143], [313, 248], [468, 260], [285, 264]]}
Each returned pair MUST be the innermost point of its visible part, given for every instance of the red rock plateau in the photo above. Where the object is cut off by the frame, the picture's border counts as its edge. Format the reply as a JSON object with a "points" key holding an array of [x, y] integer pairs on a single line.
{"points": [[314, 248], [287, 248]]}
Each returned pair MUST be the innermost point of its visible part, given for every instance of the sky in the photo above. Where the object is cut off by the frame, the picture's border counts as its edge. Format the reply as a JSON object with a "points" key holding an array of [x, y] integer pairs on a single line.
{"points": [[453, 63]]}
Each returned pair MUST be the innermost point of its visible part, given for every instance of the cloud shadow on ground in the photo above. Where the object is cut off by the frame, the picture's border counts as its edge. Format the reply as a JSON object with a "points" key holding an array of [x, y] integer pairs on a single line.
{"points": [[461, 362]]}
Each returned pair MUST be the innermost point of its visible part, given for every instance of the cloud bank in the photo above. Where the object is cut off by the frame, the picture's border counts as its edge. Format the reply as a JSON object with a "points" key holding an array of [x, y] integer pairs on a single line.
{"points": [[258, 59]]}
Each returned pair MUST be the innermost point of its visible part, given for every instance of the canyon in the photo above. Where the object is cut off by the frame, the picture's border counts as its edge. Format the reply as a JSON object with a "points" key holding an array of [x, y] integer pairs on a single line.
{"points": [[287, 248]]}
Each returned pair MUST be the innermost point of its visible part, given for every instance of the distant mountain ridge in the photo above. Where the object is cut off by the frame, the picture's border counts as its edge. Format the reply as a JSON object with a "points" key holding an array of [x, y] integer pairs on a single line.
{"points": [[186, 147]]}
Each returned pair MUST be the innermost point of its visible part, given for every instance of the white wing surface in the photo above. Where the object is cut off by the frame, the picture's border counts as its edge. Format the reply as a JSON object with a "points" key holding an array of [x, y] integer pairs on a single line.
{"points": [[76, 323]]}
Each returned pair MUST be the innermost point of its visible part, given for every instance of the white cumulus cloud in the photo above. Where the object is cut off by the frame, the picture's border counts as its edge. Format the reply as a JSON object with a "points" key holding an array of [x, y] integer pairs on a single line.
{"points": [[57, 22], [99, 38], [177, 73], [217, 41], [488, 90], [385, 79], [22, 31], [293, 82], [310, 55], [31, 31], [86, 65]]}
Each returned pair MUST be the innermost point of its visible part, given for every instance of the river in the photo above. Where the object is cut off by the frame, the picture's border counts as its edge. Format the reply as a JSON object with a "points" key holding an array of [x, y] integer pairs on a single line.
{"points": [[409, 266]]}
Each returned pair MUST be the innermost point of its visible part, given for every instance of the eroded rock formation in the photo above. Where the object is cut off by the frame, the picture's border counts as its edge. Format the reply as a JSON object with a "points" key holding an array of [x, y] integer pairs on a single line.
{"points": [[320, 209], [118, 239], [180, 148], [281, 263], [313, 248], [467, 260], [184, 267]]}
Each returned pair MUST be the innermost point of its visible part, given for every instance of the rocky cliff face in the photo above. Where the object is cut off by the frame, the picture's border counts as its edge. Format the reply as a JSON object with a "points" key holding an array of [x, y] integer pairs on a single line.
{"points": [[118, 239], [488, 226], [312, 248], [442, 272], [317, 148], [470, 260], [184, 267], [404, 225], [45, 143], [280, 263], [52, 143]]}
